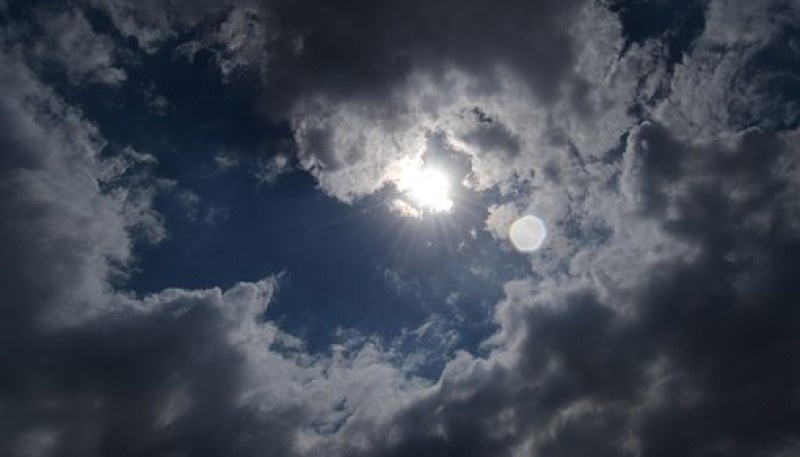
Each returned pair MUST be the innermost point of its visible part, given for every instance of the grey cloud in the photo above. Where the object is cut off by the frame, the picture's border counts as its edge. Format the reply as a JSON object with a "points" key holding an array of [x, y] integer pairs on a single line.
{"points": [[70, 41], [240, 42], [674, 333], [494, 139], [127, 384], [512, 116], [692, 352], [353, 48], [93, 370], [66, 235], [404, 72], [397, 64], [701, 364], [152, 22], [741, 73]]}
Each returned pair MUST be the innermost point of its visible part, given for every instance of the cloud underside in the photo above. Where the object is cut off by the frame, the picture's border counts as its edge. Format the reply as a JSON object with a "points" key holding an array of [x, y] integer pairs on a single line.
{"points": [[660, 318]]}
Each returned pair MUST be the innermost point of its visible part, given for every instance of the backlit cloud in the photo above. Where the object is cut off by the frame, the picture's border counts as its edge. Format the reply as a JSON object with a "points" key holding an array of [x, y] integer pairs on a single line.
{"points": [[656, 143]]}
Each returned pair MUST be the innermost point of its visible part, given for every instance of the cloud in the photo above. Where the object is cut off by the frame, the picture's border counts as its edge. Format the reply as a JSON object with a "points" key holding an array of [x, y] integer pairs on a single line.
{"points": [[436, 75], [152, 22], [95, 370], [355, 65], [239, 42], [740, 73], [63, 234], [508, 116], [70, 41], [500, 218], [660, 319], [681, 310], [709, 334], [352, 148]]}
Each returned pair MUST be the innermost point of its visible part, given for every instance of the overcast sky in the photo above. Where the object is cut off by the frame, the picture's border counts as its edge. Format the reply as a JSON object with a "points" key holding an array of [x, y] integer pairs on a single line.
{"points": [[546, 228]]}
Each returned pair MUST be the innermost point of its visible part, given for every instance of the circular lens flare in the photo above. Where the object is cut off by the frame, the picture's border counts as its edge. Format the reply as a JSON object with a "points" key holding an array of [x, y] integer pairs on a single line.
{"points": [[528, 233]]}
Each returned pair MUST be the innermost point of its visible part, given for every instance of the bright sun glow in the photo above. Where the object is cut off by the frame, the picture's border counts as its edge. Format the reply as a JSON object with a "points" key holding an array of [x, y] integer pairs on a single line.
{"points": [[428, 188]]}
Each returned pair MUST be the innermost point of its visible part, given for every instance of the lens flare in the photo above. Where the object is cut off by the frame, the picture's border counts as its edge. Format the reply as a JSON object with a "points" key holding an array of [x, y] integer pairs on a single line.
{"points": [[528, 233]]}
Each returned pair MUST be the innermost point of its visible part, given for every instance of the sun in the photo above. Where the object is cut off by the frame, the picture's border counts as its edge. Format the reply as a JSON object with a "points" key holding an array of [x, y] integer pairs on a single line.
{"points": [[430, 189], [427, 187]]}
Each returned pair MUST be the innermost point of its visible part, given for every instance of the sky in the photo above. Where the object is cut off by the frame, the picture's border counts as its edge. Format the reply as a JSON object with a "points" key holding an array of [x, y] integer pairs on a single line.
{"points": [[473, 228]]}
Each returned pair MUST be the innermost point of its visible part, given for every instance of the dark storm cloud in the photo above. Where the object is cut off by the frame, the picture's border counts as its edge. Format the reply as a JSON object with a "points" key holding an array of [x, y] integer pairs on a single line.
{"points": [[365, 57], [81, 378], [360, 48], [727, 321], [89, 370], [675, 334], [702, 365], [695, 357], [323, 63], [152, 382], [495, 139]]}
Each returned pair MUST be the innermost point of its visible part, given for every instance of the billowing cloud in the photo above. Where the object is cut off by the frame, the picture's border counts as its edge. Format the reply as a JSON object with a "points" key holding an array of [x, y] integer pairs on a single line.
{"points": [[659, 319], [94, 370]]}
